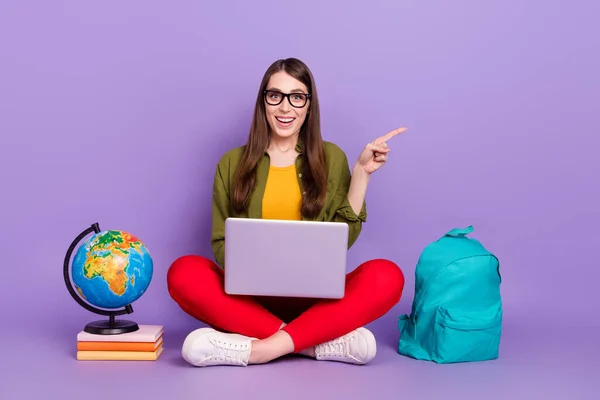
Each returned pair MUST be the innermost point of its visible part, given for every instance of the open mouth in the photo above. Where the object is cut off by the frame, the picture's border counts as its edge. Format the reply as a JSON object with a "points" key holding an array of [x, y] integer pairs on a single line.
{"points": [[285, 122]]}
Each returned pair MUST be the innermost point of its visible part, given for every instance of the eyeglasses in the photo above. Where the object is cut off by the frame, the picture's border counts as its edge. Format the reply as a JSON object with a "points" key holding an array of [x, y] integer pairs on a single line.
{"points": [[297, 100]]}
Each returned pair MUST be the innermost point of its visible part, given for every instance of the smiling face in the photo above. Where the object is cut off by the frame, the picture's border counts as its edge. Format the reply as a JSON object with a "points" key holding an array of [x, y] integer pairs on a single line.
{"points": [[272, 119], [284, 118]]}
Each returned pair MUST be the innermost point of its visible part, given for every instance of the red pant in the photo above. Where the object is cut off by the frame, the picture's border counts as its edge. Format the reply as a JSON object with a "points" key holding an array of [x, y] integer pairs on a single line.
{"points": [[372, 289]]}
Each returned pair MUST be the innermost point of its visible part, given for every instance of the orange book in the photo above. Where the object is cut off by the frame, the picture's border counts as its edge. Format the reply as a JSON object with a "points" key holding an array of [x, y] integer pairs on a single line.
{"points": [[120, 346], [120, 355]]}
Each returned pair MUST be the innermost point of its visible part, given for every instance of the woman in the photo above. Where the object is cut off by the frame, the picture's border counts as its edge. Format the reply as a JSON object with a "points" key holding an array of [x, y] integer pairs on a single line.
{"points": [[286, 171]]}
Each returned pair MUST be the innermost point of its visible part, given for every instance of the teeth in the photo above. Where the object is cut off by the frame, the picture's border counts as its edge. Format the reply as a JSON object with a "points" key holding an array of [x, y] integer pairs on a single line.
{"points": [[285, 120]]}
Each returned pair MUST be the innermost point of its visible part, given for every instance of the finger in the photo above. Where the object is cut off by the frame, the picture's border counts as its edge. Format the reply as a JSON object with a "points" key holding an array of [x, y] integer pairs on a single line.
{"points": [[381, 158], [389, 135], [378, 142], [377, 149]]}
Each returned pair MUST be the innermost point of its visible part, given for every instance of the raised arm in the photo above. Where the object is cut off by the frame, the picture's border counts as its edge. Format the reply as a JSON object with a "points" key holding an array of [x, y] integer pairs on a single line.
{"points": [[352, 189], [349, 201]]}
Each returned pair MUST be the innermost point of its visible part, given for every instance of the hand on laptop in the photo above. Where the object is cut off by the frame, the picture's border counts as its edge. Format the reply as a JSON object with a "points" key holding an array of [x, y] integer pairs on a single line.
{"points": [[375, 153]]}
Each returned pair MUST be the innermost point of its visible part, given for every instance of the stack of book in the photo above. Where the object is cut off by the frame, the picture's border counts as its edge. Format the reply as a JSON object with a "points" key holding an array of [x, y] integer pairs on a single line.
{"points": [[143, 344]]}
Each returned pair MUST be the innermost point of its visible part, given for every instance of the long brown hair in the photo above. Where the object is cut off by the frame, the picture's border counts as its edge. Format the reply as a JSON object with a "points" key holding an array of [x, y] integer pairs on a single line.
{"points": [[314, 171]]}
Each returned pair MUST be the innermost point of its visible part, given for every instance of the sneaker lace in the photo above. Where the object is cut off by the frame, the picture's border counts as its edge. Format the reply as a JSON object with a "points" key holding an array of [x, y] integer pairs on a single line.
{"points": [[339, 346], [226, 351]]}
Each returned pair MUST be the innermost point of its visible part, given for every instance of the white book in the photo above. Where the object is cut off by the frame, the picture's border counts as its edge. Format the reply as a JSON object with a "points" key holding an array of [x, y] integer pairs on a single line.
{"points": [[146, 334]]}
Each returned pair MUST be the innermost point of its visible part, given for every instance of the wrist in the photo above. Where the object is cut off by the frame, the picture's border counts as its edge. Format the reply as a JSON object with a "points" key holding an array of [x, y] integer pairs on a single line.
{"points": [[359, 172]]}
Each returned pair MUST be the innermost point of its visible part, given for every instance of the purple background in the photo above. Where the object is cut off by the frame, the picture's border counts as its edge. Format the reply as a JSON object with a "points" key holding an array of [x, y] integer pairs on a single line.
{"points": [[117, 112]]}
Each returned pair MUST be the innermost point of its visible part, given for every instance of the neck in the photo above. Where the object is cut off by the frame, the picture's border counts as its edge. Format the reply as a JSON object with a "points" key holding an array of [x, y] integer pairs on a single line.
{"points": [[283, 144]]}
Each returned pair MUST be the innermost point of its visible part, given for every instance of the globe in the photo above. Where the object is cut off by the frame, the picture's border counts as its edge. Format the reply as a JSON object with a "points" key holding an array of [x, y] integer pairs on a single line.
{"points": [[110, 270]]}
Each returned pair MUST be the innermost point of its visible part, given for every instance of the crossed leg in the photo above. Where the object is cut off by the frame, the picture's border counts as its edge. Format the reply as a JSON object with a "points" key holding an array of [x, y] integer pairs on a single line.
{"points": [[283, 325]]}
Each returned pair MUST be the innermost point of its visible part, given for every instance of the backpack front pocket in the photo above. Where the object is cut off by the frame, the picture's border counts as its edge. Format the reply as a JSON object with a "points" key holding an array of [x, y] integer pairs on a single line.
{"points": [[466, 335]]}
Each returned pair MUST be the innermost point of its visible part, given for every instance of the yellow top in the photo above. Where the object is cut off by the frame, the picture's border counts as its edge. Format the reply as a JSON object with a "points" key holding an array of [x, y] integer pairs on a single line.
{"points": [[282, 198]]}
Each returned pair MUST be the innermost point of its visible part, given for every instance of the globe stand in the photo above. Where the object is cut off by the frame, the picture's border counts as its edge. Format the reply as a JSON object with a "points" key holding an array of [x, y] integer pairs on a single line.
{"points": [[101, 327], [111, 327]]}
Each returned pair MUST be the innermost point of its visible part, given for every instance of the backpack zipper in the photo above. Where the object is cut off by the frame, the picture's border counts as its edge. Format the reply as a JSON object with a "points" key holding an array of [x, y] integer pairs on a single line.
{"points": [[420, 304]]}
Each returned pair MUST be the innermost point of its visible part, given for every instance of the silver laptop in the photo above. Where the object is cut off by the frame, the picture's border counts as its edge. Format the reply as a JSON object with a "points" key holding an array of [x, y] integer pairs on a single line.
{"points": [[285, 258]]}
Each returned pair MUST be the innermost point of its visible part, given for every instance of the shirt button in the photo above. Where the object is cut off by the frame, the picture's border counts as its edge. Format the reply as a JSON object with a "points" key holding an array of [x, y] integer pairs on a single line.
{"points": [[300, 175]]}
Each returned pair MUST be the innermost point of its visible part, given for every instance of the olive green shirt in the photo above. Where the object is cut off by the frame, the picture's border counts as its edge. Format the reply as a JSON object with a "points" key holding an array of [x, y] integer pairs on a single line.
{"points": [[337, 207]]}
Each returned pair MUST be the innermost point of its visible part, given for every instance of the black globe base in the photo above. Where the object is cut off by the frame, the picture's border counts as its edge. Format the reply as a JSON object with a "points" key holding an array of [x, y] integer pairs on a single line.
{"points": [[111, 327]]}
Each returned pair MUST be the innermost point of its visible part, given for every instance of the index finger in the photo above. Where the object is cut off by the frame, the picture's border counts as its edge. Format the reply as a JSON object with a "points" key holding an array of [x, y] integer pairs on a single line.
{"points": [[390, 135]]}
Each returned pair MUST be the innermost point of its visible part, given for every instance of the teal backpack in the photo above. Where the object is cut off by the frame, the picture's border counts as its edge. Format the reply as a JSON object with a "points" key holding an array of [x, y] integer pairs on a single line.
{"points": [[457, 309]]}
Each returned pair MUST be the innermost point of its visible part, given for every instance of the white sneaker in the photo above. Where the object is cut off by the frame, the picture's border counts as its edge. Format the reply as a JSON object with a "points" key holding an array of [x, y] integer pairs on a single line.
{"points": [[207, 347], [356, 347]]}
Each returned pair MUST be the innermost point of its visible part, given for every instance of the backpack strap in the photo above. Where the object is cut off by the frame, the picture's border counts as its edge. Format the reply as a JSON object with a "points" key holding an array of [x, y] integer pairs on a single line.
{"points": [[460, 232]]}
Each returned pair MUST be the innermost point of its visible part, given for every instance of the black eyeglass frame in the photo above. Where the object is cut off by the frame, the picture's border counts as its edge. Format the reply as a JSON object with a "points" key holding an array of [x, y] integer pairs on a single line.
{"points": [[284, 95]]}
